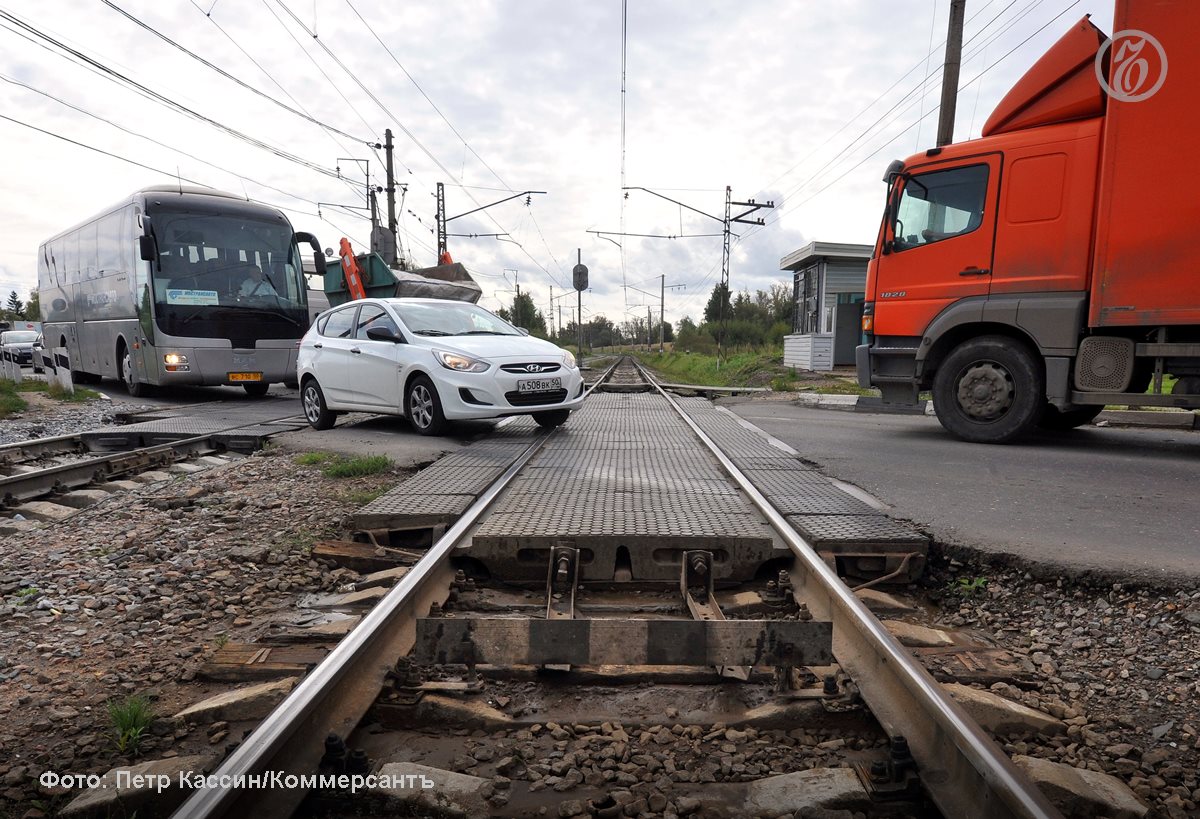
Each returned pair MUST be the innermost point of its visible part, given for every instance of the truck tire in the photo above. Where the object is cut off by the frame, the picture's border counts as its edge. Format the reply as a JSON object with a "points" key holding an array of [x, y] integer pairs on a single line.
{"points": [[1057, 420], [989, 390]]}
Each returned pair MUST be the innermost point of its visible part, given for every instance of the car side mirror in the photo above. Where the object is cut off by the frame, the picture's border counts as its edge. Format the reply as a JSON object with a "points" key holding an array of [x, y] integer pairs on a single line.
{"points": [[522, 331], [384, 334]]}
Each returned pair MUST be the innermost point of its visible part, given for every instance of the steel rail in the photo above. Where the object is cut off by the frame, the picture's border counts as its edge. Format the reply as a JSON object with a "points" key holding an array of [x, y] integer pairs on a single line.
{"points": [[30, 485], [334, 696], [963, 769], [36, 447]]}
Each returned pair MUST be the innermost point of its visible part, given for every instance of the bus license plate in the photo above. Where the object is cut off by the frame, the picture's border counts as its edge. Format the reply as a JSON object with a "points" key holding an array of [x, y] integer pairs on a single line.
{"points": [[245, 376], [539, 384]]}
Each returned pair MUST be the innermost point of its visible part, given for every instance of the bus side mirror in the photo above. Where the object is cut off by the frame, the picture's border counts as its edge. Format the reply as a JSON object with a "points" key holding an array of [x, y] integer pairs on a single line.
{"points": [[318, 254], [147, 248]]}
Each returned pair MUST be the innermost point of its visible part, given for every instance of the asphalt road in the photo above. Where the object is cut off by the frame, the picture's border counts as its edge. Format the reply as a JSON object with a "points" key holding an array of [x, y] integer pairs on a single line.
{"points": [[1121, 501]]}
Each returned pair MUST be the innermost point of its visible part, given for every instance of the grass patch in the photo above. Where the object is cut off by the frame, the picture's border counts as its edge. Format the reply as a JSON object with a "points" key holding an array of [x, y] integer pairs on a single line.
{"points": [[839, 388], [756, 368], [129, 718], [314, 458], [357, 467], [10, 402]]}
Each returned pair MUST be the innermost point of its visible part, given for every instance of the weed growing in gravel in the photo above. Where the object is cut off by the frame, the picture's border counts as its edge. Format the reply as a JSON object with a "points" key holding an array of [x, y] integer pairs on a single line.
{"points": [[968, 586], [363, 496], [221, 640], [28, 591], [129, 719], [357, 467]]}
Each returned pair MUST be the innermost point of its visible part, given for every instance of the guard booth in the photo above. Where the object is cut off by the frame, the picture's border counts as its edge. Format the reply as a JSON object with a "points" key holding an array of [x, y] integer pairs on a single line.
{"points": [[828, 286]]}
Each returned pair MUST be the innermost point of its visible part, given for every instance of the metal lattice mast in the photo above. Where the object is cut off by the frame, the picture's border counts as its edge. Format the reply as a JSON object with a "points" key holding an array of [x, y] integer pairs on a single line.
{"points": [[724, 286]]}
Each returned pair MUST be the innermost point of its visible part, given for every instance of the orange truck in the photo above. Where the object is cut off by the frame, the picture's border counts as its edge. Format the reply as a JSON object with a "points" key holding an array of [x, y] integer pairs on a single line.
{"points": [[1029, 277]]}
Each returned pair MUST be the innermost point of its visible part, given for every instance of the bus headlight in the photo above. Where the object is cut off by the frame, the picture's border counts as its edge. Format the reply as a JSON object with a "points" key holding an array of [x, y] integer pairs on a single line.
{"points": [[176, 363]]}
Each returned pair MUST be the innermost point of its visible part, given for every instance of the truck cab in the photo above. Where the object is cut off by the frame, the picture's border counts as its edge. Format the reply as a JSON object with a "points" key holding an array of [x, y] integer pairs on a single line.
{"points": [[998, 259]]}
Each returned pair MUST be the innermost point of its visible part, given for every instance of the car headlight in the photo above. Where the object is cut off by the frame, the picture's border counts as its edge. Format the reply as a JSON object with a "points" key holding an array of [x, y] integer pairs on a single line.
{"points": [[569, 359], [460, 363]]}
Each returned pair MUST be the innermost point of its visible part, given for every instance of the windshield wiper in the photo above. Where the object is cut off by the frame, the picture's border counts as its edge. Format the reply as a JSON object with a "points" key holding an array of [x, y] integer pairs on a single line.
{"points": [[432, 333], [484, 333], [226, 309]]}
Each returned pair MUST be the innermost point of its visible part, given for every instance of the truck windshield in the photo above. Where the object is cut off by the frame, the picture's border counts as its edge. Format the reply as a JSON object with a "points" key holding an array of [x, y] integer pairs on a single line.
{"points": [[939, 205], [217, 268]]}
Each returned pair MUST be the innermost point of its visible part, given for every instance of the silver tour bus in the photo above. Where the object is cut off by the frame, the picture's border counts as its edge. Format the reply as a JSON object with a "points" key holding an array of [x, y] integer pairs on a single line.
{"points": [[178, 285]]}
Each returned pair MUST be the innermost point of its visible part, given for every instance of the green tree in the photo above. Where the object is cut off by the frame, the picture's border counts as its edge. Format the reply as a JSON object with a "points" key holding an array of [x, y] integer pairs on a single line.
{"points": [[15, 305], [712, 310], [525, 314], [33, 307]]}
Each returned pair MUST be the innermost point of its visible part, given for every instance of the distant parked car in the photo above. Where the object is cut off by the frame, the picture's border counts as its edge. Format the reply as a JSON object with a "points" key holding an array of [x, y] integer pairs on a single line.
{"points": [[39, 345], [432, 361], [20, 342]]}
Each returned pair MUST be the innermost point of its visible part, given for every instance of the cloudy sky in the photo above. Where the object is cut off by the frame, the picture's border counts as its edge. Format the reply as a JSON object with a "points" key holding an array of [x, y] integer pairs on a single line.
{"points": [[800, 102]]}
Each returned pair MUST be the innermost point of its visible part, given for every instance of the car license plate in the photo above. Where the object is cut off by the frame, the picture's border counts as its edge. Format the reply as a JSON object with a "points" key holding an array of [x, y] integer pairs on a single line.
{"points": [[245, 376], [539, 384]]}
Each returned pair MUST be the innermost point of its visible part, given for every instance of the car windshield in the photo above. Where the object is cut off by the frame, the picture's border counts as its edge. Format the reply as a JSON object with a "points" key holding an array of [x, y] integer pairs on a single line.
{"points": [[18, 337], [451, 319]]}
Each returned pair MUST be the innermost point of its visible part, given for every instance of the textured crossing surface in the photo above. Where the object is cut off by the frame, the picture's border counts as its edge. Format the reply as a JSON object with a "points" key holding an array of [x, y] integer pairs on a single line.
{"points": [[627, 473]]}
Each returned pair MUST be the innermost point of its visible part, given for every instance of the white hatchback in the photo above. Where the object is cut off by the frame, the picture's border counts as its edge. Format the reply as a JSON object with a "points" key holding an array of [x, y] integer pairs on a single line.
{"points": [[432, 361]]}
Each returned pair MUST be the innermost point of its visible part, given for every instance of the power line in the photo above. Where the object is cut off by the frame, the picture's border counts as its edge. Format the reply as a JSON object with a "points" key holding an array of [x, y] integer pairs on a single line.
{"points": [[302, 114], [150, 139], [411, 79], [117, 77]]}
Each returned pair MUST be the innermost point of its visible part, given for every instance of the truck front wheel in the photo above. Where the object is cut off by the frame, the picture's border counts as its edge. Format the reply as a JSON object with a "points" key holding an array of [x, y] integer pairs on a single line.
{"points": [[989, 390]]}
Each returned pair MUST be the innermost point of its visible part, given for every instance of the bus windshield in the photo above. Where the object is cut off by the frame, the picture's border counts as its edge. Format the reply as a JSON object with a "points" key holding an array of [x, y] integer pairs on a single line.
{"points": [[216, 269]]}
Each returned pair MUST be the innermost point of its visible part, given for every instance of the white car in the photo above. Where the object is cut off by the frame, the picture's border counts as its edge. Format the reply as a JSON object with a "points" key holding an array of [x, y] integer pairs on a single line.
{"points": [[433, 361]]}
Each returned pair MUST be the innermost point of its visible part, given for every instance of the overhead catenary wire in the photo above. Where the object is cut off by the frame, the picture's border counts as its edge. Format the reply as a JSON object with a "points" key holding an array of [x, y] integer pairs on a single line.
{"points": [[122, 79], [302, 114], [842, 155]]}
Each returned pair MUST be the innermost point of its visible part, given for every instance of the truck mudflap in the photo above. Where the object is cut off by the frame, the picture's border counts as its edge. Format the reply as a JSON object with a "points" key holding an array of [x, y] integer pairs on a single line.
{"points": [[890, 369]]}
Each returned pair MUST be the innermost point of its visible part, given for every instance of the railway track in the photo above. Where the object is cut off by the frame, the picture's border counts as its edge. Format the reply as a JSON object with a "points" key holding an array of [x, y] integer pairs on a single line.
{"points": [[622, 617], [48, 478]]}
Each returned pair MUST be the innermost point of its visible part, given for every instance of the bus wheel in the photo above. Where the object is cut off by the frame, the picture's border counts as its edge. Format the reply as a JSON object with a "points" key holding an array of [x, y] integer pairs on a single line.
{"points": [[135, 388], [989, 390], [256, 389]]}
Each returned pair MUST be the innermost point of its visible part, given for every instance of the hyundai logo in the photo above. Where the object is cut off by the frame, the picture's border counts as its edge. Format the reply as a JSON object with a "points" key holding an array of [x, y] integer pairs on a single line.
{"points": [[533, 368]]}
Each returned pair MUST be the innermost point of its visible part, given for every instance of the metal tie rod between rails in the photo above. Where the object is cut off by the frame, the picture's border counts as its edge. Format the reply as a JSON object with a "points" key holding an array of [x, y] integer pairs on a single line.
{"points": [[964, 770]]}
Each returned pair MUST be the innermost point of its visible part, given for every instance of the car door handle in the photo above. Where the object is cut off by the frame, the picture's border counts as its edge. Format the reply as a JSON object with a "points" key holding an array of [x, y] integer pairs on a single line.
{"points": [[974, 271], [356, 351], [318, 346]]}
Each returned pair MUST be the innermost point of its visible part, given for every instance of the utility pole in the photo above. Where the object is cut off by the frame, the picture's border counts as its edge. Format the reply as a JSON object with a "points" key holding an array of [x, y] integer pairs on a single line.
{"points": [[945, 132], [441, 222], [662, 310], [390, 189], [649, 322], [726, 234], [441, 218]]}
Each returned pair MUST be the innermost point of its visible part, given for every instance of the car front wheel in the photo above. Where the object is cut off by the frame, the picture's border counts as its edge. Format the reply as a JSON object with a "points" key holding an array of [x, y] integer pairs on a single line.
{"points": [[318, 415], [551, 418], [424, 408]]}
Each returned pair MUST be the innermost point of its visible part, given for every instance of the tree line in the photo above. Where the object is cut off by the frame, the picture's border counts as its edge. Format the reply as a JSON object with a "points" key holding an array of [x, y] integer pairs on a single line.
{"points": [[759, 319]]}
